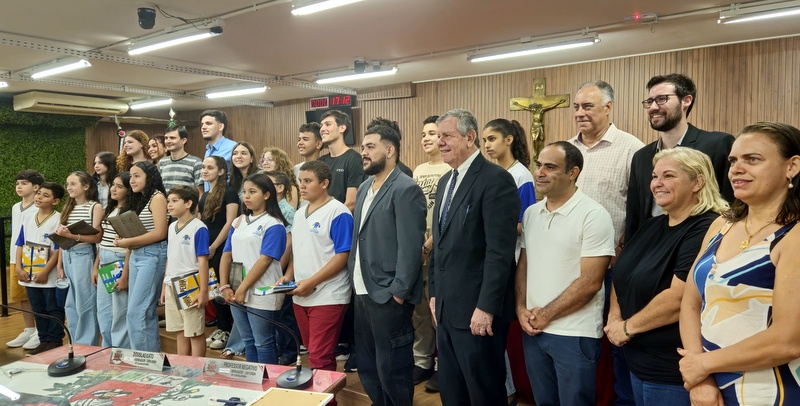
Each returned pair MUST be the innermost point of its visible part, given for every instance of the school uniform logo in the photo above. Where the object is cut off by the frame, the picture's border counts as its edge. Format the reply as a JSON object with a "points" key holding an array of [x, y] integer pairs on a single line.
{"points": [[186, 240], [315, 228], [259, 231]]}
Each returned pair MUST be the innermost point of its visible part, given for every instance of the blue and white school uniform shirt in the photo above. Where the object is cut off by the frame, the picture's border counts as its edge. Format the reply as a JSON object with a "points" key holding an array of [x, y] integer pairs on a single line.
{"points": [[316, 238], [33, 231], [250, 238], [527, 195], [184, 245]]}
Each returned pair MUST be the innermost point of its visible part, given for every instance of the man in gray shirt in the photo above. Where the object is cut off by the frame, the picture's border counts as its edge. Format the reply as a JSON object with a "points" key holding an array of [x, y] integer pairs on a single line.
{"points": [[180, 168]]}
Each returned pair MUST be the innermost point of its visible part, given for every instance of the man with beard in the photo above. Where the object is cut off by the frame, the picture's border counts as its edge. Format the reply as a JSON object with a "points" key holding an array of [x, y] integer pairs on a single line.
{"points": [[180, 168], [386, 265], [213, 126], [668, 105]]}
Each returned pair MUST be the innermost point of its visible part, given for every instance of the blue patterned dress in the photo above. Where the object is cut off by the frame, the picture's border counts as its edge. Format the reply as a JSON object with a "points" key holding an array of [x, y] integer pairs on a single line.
{"points": [[737, 304]]}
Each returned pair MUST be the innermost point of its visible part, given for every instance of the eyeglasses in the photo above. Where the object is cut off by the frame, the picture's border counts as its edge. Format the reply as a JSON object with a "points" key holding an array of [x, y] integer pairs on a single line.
{"points": [[660, 100], [265, 160]]}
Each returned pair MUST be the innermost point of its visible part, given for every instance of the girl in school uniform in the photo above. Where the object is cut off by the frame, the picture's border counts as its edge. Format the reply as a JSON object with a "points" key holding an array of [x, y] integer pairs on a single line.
{"points": [[112, 308], [147, 256], [250, 261], [105, 170], [78, 261]]}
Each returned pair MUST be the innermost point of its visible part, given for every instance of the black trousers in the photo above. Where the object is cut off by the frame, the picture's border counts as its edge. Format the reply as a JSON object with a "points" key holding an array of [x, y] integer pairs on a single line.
{"points": [[472, 369], [384, 347]]}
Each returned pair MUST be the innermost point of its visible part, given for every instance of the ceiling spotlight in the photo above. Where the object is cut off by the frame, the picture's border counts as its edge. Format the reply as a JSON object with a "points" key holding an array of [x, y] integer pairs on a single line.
{"points": [[59, 66], [3, 84]]}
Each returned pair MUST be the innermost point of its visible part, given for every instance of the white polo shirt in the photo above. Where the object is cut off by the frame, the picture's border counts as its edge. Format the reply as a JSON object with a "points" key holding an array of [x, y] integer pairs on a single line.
{"points": [[33, 231], [555, 242], [316, 238], [184, 245]]}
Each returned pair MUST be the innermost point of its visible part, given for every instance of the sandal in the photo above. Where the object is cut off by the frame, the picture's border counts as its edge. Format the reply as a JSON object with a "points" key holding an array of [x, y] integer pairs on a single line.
{"points": [[228, 353]]}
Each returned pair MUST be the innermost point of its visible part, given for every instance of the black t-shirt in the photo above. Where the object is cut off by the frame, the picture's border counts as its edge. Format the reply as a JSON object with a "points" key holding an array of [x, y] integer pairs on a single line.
{"points": [[347, 172], [215, 225], [645, 268]]}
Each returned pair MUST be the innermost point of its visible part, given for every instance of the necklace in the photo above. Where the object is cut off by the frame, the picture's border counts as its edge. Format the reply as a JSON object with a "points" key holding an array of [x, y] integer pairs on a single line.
{"points": [[746, 243]]}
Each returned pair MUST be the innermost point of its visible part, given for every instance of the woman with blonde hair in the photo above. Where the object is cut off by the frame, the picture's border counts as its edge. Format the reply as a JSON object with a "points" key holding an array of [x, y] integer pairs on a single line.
{"points": [[650, 274], [739, 324], [276, 159], [133, 150]]}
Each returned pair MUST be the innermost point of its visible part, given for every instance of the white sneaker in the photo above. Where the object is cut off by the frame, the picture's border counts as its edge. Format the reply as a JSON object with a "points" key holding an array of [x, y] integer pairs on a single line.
{"points": [[22, 338], [33, 342], [220, 342], [213, 337], [303, 350]]}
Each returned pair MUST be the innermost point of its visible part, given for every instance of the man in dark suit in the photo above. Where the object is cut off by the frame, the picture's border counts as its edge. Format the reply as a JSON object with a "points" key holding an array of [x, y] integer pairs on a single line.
{"points": [[386, 264], [668, 105], [471, 266]]}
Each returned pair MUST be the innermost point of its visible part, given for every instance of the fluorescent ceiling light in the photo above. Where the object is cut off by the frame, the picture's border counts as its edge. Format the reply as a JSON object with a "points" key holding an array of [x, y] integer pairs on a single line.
{"points": [[301, 8], [536, 47], [738, 14], [173, 38], [3, 84], [238, 90], [60, 66], [150, 103], [365, 75]]}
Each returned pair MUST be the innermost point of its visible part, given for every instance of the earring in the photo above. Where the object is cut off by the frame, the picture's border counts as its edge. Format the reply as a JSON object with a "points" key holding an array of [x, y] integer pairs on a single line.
{"points": [[791, 185]]}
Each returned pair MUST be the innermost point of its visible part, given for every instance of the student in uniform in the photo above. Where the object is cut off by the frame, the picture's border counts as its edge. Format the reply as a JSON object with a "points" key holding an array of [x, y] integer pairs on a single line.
{"points": [[251, 262]]}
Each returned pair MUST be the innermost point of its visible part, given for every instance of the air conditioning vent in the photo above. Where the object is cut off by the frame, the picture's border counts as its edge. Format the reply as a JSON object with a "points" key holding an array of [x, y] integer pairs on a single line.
{"points": [[55, 103]]}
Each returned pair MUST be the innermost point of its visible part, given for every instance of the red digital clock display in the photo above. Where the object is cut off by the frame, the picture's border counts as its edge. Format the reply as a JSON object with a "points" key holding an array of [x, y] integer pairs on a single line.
{"points": [[319, 103], [343, 100]]}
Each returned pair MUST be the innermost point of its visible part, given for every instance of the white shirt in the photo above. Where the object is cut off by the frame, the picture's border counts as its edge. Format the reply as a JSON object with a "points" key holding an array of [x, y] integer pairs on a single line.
{"points": [[37, 233], [358, 279], [18, 215], [607, 171], [247, 241], [462, 170], [554, 243], [316, 238], [184, 245]]}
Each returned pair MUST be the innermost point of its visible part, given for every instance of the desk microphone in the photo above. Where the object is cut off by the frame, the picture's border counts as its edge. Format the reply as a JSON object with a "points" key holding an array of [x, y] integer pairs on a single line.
{"points": [[65, 366], [290, 379]]}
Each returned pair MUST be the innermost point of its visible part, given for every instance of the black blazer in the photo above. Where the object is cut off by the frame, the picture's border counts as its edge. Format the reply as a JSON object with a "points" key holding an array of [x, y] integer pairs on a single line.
{"points": [[717, 145], [472, 263]]}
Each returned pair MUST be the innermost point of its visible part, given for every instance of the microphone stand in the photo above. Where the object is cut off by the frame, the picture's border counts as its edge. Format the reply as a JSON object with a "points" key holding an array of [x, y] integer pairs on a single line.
{"points": [[65, 366], [290, 379]]}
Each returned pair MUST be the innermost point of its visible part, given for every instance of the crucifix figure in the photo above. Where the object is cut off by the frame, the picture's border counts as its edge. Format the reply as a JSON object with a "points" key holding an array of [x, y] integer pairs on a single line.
{"points": [[538, 105]]}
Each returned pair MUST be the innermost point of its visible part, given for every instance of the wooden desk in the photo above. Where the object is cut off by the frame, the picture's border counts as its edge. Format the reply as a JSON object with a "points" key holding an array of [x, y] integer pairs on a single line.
{"points": [[103, 383]]}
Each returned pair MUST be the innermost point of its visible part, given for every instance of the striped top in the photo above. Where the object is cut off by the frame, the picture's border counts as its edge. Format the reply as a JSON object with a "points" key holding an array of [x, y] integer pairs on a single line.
{"points": [[109, 234], [146, 216], [81, 212], [737, 304]]}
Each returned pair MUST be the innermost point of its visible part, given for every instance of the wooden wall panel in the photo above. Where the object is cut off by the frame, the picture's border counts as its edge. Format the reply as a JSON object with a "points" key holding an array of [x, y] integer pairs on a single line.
{"points": [[737, 85]]}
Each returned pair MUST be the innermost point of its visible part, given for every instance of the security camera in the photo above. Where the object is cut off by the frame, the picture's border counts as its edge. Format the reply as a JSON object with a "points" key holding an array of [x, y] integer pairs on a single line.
{"points": [[147, 15], [360, 65]]}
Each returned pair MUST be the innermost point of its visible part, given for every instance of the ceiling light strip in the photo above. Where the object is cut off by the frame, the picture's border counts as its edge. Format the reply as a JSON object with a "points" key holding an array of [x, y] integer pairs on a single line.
{"points": [[739, 14], [301, 8], [356, 76], [58, 67], [534, 48], [146, 104]]}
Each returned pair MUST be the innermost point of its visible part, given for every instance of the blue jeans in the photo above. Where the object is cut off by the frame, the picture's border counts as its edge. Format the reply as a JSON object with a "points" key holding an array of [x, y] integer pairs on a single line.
{"points": [[145, 277], [112, 309], [43, 301], [384, 346], [561, 368], [235, 342], [81, 304], [257, 334], [651, 393]]}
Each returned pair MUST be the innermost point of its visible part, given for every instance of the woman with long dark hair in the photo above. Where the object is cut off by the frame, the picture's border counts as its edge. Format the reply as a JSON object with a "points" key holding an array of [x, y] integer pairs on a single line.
{"points": [[105, 170]]}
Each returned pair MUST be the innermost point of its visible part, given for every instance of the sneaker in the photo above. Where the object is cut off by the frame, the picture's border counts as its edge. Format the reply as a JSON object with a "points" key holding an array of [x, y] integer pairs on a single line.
{"points": [[342, 348], [286, 361], [303, 350], [33, 342], [211, 323], [421, 374], [23, 338], [432, 386], [343, 357], [350, 365], [162, 323], [213, 337], [220, 342]]}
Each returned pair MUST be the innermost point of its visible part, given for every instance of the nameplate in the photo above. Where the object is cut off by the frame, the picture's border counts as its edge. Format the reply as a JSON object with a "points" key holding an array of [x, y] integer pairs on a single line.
{"points": [[237, 370], [154, 361]]}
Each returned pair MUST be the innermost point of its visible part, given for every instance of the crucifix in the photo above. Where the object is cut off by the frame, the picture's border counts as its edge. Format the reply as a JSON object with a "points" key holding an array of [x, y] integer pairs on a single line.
{"points": [[538, 105]]}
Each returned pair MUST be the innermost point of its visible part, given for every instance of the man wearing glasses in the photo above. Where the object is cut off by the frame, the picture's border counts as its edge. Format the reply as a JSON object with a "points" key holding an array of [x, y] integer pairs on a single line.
{"points": [[668, 105]]}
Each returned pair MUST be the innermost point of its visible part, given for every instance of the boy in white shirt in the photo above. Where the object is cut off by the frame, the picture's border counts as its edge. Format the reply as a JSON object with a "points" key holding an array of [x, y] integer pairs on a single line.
{"points": [[187, 253], [321, 238], [27, 183], [40, 280]]}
